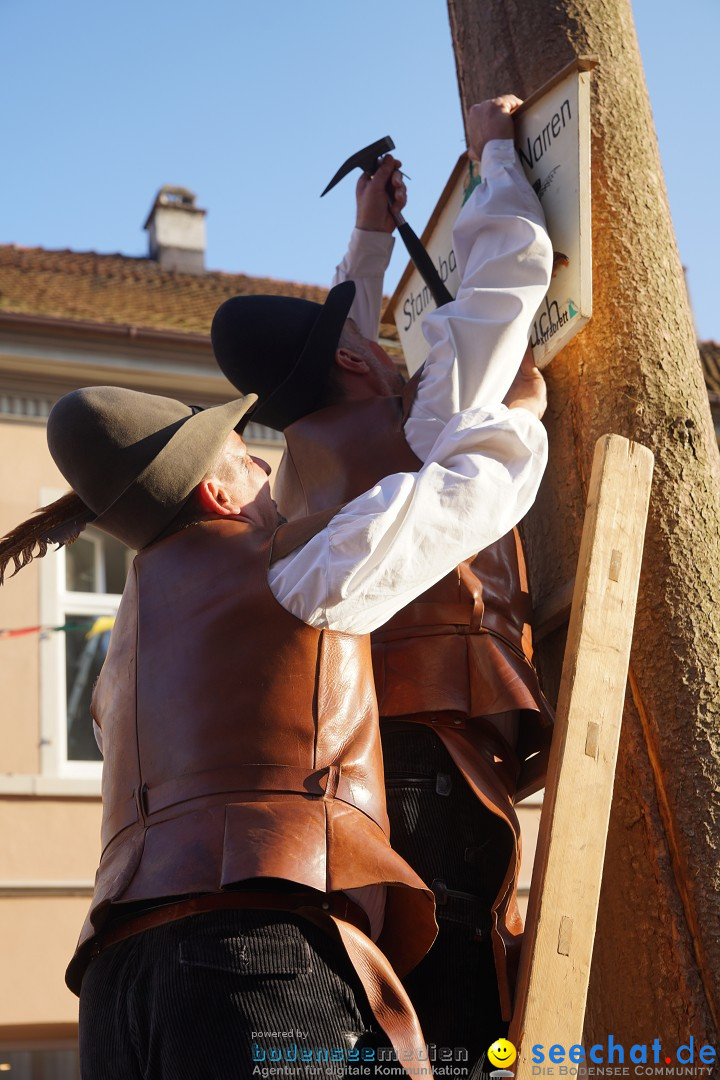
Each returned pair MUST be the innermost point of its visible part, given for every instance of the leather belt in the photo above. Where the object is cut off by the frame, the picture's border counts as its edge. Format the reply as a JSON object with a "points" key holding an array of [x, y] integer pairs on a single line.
{"points": [[331, 782], [337, 904]]}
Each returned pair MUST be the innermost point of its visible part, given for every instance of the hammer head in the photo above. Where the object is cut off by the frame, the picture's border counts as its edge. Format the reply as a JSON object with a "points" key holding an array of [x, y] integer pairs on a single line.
{"points": [[366, 159]]}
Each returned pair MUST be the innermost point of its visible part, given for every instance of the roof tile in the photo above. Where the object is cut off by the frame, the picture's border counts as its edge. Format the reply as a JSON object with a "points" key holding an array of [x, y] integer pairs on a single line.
{"points": [[123, 290], [132, 291]]}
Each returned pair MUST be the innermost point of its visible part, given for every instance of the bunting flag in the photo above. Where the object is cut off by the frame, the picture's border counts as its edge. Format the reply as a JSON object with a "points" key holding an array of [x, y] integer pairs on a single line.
{"points": [[97, 626]]}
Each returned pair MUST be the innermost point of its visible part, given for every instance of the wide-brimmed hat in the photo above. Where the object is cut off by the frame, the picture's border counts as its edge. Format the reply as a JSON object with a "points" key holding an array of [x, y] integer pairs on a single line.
{"points": [[134, 459], [282, 347]]}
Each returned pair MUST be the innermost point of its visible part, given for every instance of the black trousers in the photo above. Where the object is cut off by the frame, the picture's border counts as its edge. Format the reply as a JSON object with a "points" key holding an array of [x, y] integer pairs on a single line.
{"points": [[223, 996], [461, 850]]}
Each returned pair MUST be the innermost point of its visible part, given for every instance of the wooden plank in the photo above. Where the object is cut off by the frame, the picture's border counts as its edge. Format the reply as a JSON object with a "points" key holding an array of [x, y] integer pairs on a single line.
{"points": [[562, 911]]}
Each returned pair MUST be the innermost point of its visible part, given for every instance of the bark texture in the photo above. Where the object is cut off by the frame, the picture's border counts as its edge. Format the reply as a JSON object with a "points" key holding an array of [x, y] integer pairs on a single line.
{"points": [[634, 370]]}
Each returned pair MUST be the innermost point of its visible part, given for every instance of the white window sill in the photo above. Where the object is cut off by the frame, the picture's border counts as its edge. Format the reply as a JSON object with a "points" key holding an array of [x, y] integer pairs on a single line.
{"points": [[57, 786], [14, 890]]}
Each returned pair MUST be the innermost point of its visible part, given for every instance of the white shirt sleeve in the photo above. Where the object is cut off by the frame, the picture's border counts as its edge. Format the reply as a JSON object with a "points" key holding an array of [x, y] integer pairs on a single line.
{"points": [[482, 465], [387, 546], [365, 263], [477, 342]]}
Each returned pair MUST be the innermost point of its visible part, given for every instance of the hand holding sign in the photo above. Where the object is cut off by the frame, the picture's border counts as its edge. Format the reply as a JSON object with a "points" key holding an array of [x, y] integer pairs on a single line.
{"points": [[490, 120], [528, 390]]}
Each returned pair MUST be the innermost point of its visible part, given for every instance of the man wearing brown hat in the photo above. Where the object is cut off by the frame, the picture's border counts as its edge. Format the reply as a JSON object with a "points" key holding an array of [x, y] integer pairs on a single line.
{"points": [[460, 705], [248, 903]]}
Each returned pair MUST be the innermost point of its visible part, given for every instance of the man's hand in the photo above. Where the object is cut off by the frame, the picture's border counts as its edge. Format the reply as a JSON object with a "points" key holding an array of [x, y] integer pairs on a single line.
{"points": [[528, 388], [490, 120], [373, 210]]}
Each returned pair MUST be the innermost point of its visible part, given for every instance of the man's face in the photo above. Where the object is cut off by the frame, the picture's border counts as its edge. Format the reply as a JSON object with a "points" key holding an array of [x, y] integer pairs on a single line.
{"points": [[245, 478], [384, 374]]}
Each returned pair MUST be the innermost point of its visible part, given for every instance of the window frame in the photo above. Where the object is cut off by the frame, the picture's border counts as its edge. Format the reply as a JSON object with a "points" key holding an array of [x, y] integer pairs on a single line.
{"points": [[56, 602]]}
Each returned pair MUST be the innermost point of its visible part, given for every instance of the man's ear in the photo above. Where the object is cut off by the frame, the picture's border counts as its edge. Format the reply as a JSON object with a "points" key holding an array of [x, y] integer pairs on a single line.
{"points": [[214, 498], [350, 361]]}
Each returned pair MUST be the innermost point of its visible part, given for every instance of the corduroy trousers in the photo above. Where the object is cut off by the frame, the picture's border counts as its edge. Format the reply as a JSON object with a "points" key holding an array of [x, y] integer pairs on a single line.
{"points": [[462, 850], [223, 996]]}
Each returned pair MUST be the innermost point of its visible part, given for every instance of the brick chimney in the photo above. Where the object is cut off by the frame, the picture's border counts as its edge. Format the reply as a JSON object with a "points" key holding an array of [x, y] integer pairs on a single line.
{"points": [[176, 231]]}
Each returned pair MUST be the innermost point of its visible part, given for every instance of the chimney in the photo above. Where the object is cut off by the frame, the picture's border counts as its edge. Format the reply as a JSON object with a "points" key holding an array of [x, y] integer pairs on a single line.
{"points": [[176, 231]]}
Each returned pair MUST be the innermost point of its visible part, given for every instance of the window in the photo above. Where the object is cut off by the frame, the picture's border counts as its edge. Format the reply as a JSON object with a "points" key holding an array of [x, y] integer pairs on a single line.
{"points": [[95, 571], [40, 1062], [81, 587]]}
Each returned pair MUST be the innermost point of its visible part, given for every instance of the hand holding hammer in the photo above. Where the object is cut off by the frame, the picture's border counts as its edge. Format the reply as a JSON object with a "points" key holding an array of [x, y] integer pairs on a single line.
{"points": [[381, 193], [370, 159], [380, 196]]}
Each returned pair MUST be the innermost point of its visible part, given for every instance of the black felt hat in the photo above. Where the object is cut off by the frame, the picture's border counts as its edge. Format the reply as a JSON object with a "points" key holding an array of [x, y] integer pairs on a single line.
{"points": [[282, 347]]}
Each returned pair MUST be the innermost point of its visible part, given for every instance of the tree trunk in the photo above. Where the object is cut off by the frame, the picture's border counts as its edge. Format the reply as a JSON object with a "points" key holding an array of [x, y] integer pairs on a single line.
{"points": [[633, 370]]}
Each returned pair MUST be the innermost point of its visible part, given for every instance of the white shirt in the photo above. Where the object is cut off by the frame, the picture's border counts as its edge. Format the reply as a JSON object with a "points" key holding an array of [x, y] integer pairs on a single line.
{"points": [[482, 462]]}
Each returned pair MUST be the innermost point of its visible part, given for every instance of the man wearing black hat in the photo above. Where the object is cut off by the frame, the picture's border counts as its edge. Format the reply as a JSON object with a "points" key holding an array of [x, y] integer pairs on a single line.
{"points": [[459, 701]]}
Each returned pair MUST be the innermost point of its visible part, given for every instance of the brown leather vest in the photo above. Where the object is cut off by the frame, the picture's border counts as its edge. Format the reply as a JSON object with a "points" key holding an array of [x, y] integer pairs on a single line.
{"points": [[239, 743], [461, 649], [460, 652]]}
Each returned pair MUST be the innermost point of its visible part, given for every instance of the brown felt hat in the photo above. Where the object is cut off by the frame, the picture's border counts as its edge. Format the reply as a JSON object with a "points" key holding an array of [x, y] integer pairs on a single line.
{"points": [[136, 458]]}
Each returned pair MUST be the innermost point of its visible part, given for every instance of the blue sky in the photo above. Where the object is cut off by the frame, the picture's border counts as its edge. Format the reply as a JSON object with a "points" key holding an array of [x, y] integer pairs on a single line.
{"points": [[253, 107]]}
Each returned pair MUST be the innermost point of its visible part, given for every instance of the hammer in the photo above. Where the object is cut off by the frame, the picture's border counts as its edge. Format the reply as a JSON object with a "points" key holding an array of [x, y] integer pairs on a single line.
{"points": [[368, 159]]}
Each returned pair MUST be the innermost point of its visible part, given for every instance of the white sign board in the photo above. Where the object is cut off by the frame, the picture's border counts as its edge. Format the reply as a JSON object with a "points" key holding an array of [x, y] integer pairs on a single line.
{"points": [[552, 130]]}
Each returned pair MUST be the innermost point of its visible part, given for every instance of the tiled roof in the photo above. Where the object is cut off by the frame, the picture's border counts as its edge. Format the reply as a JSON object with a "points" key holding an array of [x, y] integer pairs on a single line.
{"points": [[137, 292], [122, 290], [710, 357]]}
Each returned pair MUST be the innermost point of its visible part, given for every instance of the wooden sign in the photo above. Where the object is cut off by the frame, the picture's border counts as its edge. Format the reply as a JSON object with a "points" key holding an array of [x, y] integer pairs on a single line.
{"points": [[552, 137]]}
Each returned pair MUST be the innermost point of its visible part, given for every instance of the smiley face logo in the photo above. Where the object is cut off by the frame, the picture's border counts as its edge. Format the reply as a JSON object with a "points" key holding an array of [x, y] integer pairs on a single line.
{"points": [[502, 1053]]}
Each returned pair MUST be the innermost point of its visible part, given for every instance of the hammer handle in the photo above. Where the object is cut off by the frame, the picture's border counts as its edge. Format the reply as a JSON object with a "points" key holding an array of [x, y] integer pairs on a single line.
{"points": [[423, 262]]}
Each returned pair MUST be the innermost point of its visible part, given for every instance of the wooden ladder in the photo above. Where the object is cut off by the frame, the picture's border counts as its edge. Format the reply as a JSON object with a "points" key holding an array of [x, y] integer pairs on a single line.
{"points": [[567, 875]]}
